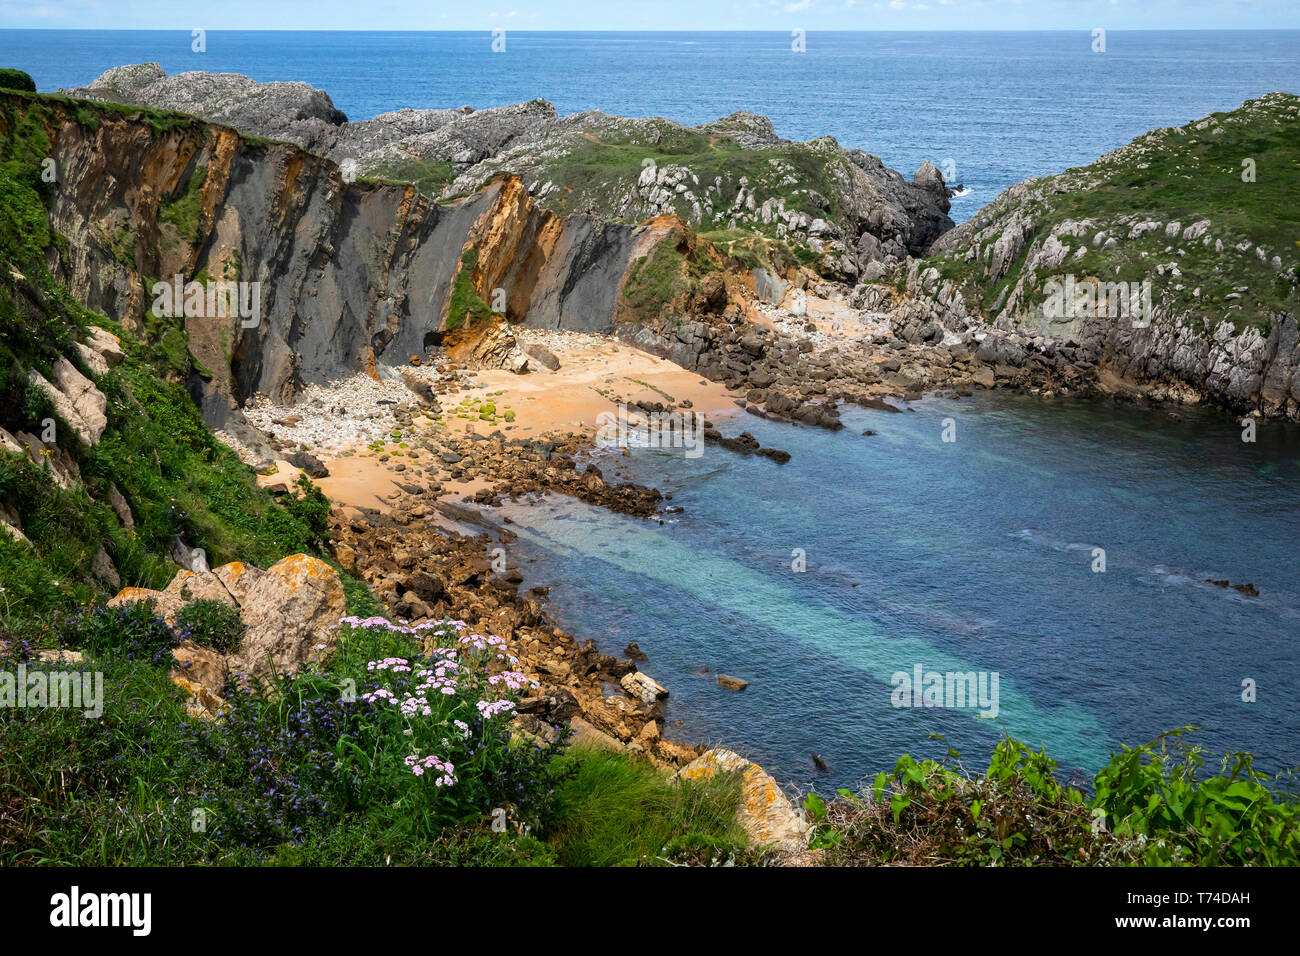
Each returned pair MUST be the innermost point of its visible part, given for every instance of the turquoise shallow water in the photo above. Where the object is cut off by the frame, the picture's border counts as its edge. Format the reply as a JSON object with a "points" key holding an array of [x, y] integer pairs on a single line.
{"points": [[974, 555]]}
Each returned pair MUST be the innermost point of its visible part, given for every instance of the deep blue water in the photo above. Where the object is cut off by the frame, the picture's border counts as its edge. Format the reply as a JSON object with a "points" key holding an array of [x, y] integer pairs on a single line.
{"points": [[1001, 106], [974, 555]]}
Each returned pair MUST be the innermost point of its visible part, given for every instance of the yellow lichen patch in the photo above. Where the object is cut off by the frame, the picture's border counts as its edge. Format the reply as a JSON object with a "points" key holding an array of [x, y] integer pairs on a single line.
{"points": [[200, 702], [766, 813], [235, 569], [128, 595]]}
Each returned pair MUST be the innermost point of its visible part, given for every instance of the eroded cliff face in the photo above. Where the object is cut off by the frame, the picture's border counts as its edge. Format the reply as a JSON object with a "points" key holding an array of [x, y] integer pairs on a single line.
{"points": [[841, 207], [349, 275]]}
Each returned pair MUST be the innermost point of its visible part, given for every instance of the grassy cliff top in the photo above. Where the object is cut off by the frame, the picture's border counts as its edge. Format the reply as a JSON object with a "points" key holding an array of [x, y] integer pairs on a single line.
{"points": [[1207, 211]]}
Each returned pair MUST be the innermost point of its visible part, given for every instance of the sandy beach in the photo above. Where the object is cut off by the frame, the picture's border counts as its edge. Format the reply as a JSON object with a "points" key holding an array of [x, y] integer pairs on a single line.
{"points": [[595, 375]]}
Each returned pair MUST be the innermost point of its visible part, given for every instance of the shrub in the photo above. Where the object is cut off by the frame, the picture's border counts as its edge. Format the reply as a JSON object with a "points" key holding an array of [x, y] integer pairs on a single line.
{"points": [[1148, 809], [131, 630], [312, 509], [211, 624], [1231, 819], [16, 80]]}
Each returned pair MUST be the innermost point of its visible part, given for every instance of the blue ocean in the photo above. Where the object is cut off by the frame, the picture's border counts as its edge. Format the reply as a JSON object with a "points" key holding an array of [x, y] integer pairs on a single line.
{"points": [[1000, 107]]}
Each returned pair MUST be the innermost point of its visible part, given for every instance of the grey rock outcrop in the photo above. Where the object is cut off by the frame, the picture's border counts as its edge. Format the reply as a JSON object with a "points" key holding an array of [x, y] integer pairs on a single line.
{"points": [[1153, 304], [552, 156]]}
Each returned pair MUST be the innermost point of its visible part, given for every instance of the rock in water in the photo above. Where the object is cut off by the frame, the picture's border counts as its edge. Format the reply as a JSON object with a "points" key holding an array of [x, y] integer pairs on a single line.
{"points": [[643, 688]]}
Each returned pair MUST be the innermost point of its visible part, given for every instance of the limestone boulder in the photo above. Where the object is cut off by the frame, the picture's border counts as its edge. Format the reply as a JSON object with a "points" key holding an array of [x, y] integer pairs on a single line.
{"points": [[766, 812], [76, 399], [642, 687], [106, 345], [292, 613]]}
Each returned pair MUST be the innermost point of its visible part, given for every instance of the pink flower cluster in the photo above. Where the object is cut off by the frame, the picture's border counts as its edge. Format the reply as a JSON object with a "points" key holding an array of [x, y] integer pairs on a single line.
{"points": [[490, 708], [395, 664], [442, 677], [446, 772], [416, 706], [383, 623], [512, 679], [479, 641]]}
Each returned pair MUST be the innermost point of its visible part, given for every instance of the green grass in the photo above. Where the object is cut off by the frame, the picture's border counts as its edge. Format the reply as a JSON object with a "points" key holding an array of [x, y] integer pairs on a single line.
{"points": [[621, 811], [656, 280], [430, 177], [122, 789], [466, 306], [1184, 177]]}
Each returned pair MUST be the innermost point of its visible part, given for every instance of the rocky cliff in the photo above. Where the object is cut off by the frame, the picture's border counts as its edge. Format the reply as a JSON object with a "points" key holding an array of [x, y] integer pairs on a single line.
{"points": [[1175, 253], [347, 273], [1167, 267], [845, 208], [354, 274]]}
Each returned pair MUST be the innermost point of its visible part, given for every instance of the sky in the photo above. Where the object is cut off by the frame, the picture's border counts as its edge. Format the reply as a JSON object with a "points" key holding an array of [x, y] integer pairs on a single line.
{"points": [[652, 14]]}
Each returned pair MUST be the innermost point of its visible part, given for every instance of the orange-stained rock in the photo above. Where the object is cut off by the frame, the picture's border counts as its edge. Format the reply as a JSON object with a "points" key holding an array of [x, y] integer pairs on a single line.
{"points": [[201, 665], [767, 814], [201, 701], [190, 586], [238, 578], [292, 613], [129, 595]]}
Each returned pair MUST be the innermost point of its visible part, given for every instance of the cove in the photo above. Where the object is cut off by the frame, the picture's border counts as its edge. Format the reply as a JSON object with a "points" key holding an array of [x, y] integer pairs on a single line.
{"points": [[975, 555]]}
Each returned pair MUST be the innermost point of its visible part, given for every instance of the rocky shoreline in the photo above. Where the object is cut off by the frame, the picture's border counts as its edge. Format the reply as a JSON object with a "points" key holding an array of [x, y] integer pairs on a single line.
{"points": [[790, 315], [422, 571]]}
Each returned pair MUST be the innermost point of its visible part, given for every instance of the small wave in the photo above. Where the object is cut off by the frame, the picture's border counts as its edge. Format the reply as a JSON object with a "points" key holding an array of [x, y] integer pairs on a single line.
{"points": [[961, 193], [1056, 544]]}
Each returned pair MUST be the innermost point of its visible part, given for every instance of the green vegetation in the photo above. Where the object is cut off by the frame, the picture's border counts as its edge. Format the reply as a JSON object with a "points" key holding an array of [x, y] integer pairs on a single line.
{"points": [[430, 177], [618, 811], [16, 80], [211, 623], [176, 478], [656, 279], [131, 631], [1147, 809], [659, 285], [91, 114], [466, 306], [1238, 170], [595, 170], [303, 773], [185, 211]]}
